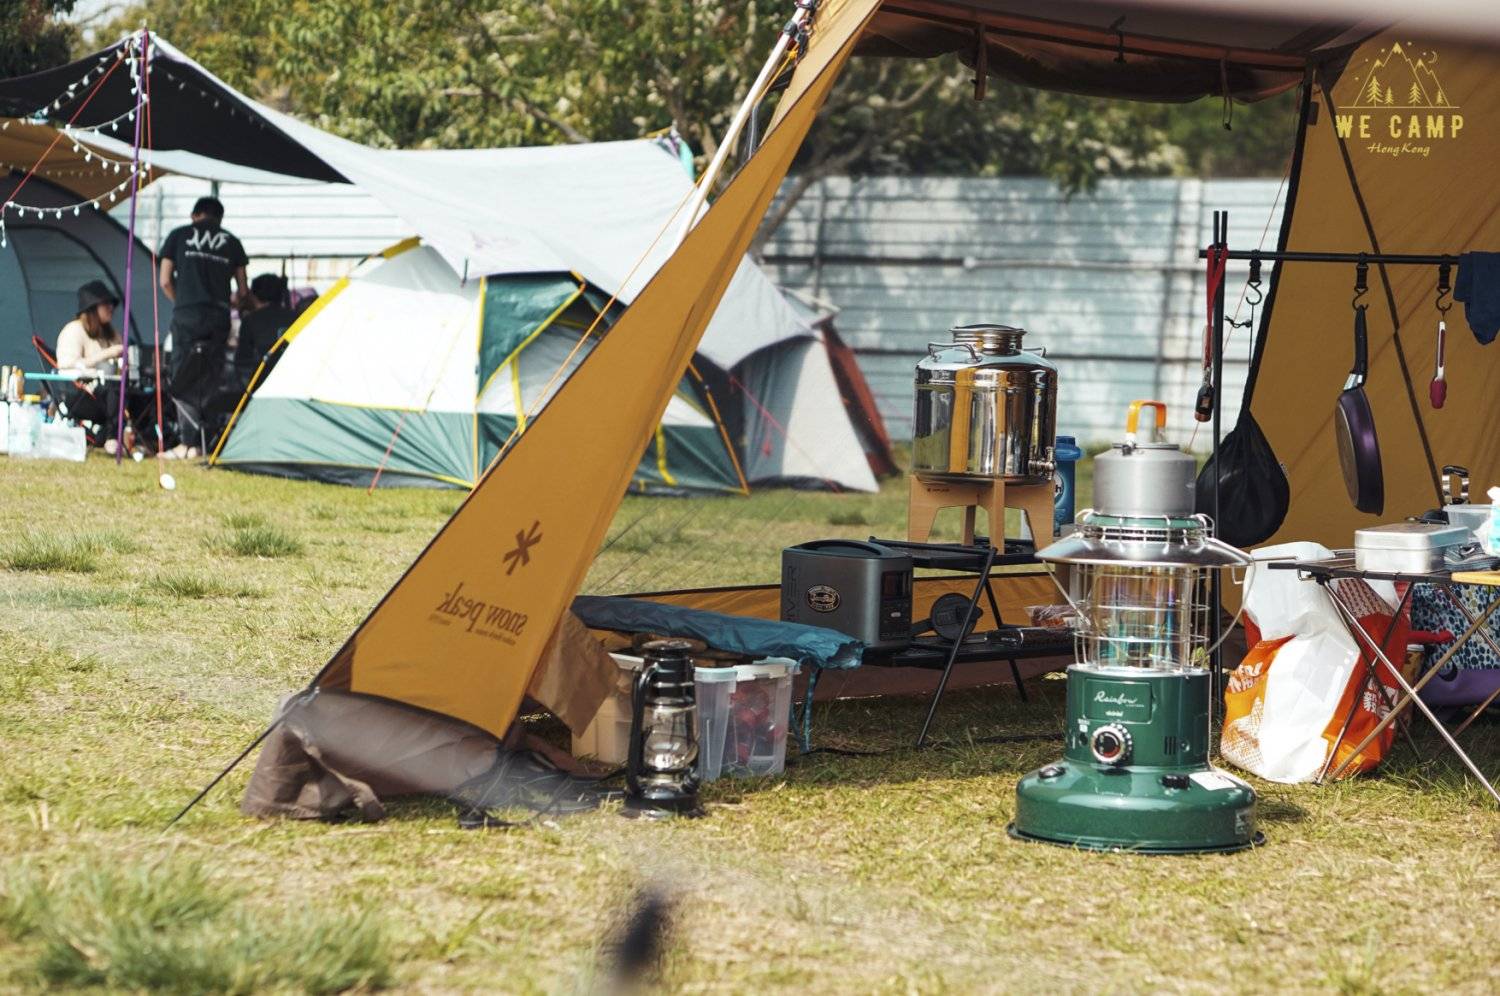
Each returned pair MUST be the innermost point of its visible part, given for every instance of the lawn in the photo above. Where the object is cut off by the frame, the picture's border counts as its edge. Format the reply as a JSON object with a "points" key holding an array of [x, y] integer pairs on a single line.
{"points": [[145, 637]]}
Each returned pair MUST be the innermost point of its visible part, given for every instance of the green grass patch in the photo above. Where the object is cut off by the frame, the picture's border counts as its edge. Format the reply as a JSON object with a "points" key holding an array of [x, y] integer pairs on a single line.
{"points": [[169, 926], [43, 551], [885, 873], [258, 540], [244, 520], [78, 553], [187, 586]]}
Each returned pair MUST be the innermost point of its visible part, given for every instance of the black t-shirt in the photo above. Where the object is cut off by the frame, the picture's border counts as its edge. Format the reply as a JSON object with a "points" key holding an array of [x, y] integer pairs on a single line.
{"points": [[205, 257], [259, 331]]}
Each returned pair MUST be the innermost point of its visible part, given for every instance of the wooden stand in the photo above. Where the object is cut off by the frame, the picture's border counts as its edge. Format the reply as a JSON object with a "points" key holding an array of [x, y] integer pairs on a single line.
{"points": [[929, 497]]}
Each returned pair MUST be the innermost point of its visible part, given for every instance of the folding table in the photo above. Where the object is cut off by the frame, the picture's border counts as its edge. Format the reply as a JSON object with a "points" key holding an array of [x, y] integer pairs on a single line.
{"points": [[1010, 644], [1322, 572]]}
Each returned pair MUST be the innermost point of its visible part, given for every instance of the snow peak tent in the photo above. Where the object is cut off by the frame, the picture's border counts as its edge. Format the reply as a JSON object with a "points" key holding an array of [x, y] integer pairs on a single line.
{"points": [[404, 374], [520, 544]]}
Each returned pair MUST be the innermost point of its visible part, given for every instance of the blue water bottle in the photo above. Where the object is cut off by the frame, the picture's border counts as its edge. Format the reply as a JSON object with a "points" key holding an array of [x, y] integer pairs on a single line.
{"points": [[1066, 454]]}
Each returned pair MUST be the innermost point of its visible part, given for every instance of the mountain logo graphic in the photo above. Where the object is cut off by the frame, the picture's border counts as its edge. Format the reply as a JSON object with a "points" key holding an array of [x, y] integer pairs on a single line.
{"points": [[1394, 81], [1400, 107]]}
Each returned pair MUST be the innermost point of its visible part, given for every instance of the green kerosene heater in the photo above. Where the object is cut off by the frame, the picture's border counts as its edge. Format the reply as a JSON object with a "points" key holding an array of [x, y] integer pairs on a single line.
{"points": [[1135, 775]]}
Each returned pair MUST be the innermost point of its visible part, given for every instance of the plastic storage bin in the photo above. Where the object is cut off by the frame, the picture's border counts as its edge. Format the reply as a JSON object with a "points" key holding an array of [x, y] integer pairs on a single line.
{"points": [[24, 423], [61, 441], [743, 715]]}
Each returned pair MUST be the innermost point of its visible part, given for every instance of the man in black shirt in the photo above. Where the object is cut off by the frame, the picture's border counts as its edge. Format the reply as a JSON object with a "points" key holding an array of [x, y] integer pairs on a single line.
{"points": [[198, 261], [264, 316]]}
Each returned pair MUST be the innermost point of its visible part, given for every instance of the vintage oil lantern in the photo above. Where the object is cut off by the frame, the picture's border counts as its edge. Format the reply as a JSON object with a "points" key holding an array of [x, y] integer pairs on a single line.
{"points": [[1135, 774], [660, 778]]}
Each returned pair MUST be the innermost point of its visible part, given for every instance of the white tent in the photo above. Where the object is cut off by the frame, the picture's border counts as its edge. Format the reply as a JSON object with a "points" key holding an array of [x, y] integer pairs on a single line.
{"points": [[606, 215], [412, 372]]}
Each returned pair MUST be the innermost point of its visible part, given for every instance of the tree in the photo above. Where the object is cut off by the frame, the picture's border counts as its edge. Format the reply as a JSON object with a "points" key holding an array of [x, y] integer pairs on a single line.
{"points": [[1373, 91], [474, 73], [1414, 97], [33, 36]]}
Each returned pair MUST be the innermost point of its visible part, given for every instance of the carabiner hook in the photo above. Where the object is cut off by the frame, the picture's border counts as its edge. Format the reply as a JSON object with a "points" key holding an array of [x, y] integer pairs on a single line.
{"points": [[1253, 284], [1361, 280], [1444, 300]]}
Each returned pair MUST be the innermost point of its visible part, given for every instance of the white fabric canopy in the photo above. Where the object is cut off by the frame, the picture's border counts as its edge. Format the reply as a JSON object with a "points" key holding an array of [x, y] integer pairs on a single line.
{"points": [[608, 211]]}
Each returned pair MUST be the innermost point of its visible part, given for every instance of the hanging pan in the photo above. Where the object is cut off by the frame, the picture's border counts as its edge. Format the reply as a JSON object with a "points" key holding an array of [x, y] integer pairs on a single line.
{"points": [[1354, 429]]}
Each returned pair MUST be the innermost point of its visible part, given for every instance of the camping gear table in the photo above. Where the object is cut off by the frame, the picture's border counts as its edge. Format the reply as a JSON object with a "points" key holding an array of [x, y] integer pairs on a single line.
{"points": [[935, 653], [1321, 572]]}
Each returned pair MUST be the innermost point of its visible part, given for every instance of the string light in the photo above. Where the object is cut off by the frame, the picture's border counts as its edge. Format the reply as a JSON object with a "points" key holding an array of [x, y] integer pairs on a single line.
{"points": [[111, 195]]}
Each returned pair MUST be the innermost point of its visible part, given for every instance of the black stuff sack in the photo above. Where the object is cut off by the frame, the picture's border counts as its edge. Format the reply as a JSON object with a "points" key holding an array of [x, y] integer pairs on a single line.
{"points": [[1253, 491]]}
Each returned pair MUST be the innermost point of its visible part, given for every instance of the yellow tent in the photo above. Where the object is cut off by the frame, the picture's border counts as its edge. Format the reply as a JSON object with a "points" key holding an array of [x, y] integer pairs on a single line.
{"points": [[461, 633]]}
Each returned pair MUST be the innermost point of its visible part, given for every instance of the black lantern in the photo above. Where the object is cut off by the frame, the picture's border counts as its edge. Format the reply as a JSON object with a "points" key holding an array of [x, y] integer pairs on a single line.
{"points": [[660, 777]]}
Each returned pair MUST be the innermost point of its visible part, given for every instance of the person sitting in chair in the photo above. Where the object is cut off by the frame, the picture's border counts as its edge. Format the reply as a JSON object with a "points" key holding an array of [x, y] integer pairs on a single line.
{"points": [[89, 346]]}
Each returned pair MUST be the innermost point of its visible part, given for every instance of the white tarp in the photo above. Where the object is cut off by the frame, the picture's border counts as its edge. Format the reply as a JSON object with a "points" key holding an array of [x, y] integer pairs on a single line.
{"points": [[609, 211]]}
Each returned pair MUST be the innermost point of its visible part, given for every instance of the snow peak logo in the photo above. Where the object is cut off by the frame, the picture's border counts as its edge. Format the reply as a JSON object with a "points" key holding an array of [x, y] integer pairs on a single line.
{"points": [[1401, 108], [494, 621]]}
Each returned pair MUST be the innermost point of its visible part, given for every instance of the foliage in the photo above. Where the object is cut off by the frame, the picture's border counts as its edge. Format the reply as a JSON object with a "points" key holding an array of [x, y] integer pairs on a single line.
{"points": [[33, 35], [471, 73]]}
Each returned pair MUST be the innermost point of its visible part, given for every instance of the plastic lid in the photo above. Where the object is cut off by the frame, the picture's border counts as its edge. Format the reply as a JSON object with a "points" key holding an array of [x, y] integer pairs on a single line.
{"points": [[766, 667]]}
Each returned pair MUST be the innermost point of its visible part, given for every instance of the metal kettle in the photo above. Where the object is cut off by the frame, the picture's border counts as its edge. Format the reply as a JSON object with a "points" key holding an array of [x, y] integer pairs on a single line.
{"points": [[1153, 478]]}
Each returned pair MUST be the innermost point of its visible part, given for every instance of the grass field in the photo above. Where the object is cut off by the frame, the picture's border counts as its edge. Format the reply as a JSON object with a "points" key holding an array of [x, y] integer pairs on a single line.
{"points": [[145, 637]]}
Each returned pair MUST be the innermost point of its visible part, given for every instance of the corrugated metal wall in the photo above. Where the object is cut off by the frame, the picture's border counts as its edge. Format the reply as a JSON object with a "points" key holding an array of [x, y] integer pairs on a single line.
{"points": [[1108, 282]]}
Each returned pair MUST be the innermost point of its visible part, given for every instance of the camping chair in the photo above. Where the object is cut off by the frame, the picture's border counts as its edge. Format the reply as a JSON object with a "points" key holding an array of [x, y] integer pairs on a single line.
{"points": [[56, 400]]}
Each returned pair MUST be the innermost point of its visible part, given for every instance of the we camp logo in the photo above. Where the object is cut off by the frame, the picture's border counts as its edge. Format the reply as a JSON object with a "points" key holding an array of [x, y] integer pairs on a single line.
{"points": [[1401, 107]]}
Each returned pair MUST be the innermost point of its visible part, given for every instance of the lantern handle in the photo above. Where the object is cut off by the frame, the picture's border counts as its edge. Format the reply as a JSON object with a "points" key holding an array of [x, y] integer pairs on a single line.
{"points": [[1133, 418], [636, 756]]}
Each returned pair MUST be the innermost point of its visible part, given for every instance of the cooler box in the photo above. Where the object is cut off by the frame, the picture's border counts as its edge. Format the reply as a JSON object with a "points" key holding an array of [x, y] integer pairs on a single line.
{"points": [[744, 712]]}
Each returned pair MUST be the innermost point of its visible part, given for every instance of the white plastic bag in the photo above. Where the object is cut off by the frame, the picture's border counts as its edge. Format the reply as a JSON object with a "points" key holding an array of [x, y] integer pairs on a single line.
{"points": [[1282, 736]]}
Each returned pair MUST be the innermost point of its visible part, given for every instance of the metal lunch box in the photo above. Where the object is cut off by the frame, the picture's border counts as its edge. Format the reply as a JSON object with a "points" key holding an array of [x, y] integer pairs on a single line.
{"points": [[1407, 547]]}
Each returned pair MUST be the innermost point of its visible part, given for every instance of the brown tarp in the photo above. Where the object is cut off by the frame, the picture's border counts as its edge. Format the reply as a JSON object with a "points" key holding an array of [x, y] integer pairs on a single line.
{"points": [[1429, 192]]}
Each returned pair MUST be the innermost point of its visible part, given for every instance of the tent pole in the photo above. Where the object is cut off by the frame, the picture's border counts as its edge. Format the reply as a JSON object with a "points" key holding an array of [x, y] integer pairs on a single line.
{"points": [[794, 30], [1221, 240], [135, 186]]}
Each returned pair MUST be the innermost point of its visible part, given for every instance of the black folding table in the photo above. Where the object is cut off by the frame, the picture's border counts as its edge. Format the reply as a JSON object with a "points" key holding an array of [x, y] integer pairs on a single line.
{"points": [[1010, 644]]}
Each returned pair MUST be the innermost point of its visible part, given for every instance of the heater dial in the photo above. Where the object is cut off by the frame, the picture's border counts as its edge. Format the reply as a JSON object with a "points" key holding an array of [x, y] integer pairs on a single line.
{"points": [[1111, 744]]}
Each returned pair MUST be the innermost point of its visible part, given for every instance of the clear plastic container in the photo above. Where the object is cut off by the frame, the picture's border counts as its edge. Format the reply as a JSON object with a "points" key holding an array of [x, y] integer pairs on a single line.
{"points": [[61, 441], [743, 715], [744, 712], [21, 434]]}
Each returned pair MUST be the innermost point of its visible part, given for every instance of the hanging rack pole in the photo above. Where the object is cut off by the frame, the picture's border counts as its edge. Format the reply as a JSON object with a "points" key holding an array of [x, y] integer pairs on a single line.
{"points": [[1387, 258], [1221, 242]]}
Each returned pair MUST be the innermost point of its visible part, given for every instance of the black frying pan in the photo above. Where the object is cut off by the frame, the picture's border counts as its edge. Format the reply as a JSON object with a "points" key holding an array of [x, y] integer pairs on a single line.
{"points": [[1354, 428]]}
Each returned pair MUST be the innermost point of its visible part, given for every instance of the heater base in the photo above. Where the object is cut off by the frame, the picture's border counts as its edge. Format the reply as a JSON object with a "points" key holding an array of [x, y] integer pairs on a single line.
{"points": [[1147, 810]]}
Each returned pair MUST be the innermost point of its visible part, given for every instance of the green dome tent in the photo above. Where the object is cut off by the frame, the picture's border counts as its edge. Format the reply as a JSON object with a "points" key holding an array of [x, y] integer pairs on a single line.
{"points": [[404, 374]]}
